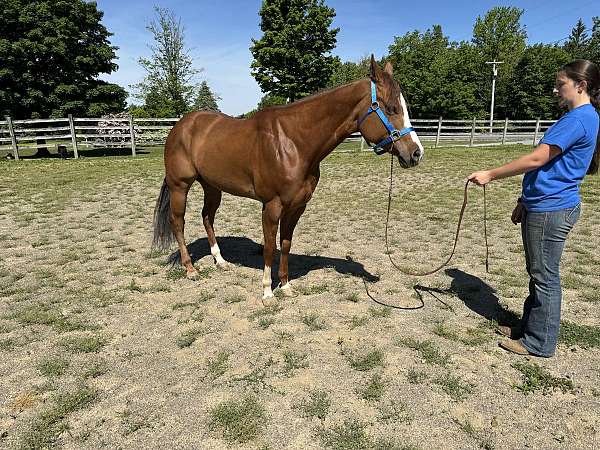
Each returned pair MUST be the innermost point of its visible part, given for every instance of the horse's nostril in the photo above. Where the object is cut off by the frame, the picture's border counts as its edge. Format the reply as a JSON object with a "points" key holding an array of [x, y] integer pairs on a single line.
{"points": [[417, 154]]}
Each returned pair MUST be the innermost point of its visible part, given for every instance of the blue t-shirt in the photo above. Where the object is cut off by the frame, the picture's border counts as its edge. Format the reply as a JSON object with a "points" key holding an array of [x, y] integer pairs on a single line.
{"points": [[555, 185]]}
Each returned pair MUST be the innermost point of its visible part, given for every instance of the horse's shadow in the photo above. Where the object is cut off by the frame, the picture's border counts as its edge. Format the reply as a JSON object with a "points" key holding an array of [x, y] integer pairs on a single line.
{"points": [[477, 295], [247, 253]]}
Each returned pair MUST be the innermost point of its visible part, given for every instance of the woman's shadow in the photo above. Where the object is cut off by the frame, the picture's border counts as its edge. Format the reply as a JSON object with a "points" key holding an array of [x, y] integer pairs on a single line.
{"points": [[247, 253], [477, 295]]}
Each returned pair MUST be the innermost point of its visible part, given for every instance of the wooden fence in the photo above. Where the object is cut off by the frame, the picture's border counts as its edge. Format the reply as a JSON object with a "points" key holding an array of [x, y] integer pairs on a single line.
{"points": [[77, 133]]}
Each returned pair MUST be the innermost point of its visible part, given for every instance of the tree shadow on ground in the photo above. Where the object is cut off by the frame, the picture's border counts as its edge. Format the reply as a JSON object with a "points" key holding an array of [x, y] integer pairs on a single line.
{"points": [[247, 253], [477, 295]]}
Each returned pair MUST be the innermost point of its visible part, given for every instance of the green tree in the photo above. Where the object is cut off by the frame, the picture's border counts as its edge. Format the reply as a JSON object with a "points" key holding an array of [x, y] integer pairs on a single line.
{"points": [[594, 42], [349, 71], [51, 53], [169, 88], [578, 41], [206, 100], [436, 75], [292, 59], [534, 78], [499, 36]]}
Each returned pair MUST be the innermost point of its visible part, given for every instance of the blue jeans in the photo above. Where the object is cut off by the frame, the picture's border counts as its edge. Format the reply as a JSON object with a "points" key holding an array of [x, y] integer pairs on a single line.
{"points": [[544, 235]]}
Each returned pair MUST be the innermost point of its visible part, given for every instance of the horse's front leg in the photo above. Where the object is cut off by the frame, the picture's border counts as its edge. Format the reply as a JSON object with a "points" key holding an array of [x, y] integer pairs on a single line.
{"points": [[288, 224], [270, 220]]}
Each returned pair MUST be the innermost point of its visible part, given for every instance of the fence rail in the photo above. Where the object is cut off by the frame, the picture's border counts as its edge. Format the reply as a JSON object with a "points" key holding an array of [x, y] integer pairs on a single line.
{"points": [[130, 132]]}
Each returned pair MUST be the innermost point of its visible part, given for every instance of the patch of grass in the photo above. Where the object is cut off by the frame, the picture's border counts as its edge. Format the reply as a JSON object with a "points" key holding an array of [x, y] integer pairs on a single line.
{"points": [[415, 376], [176, 273], [46, 314], [313, 322], [366, 361], [294, 360], [349, 435], [585, 336], [83, 344], [218, 365], [53, 366], [265, 322], [316, 405], [380, 312], [313, 289], [256, 378], [393, 412], [188, 337], [133, 421], [94, 369], [474, 336], [7, 345], [238, 420], [427, 350], [235, 298], [205, 296], [266, 311], [133, 286], [535, 377], [357, 321], [45, 428], [454, 386], [374, 389], [352, 297]]}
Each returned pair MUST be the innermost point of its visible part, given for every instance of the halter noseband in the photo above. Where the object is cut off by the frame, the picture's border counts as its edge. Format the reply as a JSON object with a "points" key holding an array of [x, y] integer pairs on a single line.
{"points": [[393, 133]]}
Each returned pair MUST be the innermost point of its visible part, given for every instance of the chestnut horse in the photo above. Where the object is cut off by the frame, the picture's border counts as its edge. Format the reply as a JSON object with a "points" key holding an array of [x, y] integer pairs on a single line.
{"points": [[274, 157]]}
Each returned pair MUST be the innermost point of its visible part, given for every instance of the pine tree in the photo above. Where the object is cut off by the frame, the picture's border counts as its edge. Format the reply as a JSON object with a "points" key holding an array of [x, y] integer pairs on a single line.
{"points": [[206, 100]]}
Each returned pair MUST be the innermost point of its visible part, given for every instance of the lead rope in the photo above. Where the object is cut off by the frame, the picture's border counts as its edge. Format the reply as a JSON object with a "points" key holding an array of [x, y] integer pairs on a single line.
{"points": [[445, 263]]}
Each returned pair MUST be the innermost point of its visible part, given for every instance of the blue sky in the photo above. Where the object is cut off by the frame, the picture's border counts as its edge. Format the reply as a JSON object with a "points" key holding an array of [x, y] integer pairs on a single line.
{"points": [[219, 33]]}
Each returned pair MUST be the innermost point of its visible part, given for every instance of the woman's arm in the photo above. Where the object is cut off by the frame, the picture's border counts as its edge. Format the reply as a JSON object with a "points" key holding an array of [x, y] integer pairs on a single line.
{"points": [[537, 158]]}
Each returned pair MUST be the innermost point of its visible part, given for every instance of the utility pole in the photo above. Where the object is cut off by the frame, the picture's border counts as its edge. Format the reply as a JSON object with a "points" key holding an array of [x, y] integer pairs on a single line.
{"points": [[495, 74]]}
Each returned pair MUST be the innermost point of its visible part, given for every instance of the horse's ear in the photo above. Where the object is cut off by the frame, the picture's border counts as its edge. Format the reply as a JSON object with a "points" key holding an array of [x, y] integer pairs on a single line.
{"points": [[388, 68], [375, 70]]}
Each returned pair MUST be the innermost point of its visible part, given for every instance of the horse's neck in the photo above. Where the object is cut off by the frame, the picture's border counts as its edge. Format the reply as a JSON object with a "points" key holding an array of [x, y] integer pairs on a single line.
{"points": [[332, 117]]}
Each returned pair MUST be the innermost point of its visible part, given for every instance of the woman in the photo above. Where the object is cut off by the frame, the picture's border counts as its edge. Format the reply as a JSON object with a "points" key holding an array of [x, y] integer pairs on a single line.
{"points": [[549, 205]]}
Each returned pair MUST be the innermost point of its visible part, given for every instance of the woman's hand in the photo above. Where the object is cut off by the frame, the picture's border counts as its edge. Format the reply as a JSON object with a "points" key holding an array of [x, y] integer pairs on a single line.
{"points": [[517, 214], [481, 178]]}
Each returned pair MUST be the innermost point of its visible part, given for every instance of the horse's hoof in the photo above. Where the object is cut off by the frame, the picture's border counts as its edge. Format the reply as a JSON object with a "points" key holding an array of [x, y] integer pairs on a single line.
{"points": [[224, 265], [269, 301], [288, 291], [193, 275]]}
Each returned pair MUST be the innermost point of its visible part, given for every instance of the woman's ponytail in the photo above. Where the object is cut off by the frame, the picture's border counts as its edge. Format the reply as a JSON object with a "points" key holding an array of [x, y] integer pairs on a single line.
{"points": [[595, 100]]}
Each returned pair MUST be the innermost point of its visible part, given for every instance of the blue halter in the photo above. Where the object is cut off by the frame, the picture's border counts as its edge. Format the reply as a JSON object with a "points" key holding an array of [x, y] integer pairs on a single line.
{"points": [[393, 134]]}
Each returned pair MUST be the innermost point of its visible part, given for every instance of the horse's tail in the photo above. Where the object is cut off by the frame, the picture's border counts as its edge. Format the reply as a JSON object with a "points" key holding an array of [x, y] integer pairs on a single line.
{"points": [[163, 235]]}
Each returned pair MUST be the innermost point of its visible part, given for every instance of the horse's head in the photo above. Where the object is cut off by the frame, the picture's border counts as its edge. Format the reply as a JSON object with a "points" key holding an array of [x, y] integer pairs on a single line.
{"points": [[387, 123]]}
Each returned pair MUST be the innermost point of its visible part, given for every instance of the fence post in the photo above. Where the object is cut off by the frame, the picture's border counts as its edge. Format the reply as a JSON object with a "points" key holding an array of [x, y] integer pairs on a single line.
{"points": [[537, 130], [439, 132], [362, 143], [505, 130], [132, 132], [13, 139], [73, 136], [472, 133]]}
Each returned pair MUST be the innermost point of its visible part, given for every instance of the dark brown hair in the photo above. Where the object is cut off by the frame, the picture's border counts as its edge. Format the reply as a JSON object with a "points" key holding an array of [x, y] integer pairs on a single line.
{"points": [[583, 70]]}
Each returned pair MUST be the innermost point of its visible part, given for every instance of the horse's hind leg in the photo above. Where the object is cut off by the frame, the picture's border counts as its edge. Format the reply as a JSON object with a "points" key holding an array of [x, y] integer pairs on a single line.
{"points": [[212, 200], [270, 220], [179, 191], [286, 230]]}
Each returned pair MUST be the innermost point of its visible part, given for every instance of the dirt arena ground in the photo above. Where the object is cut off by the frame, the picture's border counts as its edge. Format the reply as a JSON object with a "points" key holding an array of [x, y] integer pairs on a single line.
{"points": [[104, 344]]}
